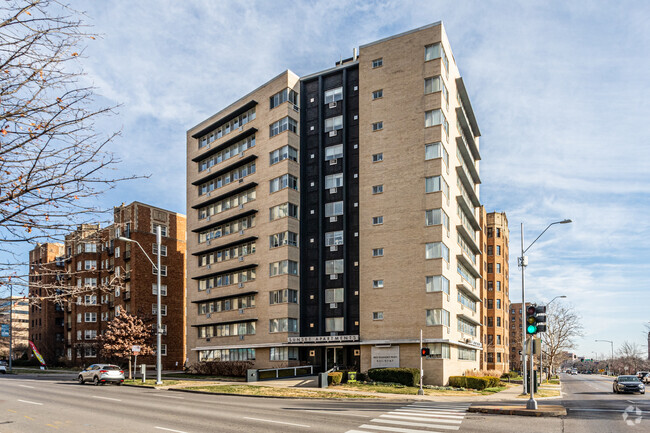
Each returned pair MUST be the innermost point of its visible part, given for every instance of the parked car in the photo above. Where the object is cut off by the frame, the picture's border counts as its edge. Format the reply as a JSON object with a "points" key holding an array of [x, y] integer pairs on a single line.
{"points": [[574, 371], [3, 369], [628, 384], [101, 374], [644, 376]]}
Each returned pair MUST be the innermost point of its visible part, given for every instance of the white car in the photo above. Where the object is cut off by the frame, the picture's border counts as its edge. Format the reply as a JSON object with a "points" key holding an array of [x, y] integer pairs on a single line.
{"points": [[3, 369]]}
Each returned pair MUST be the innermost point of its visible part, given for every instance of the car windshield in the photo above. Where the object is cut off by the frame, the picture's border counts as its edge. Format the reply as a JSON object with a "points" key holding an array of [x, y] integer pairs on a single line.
{"points": [[628, 379]]}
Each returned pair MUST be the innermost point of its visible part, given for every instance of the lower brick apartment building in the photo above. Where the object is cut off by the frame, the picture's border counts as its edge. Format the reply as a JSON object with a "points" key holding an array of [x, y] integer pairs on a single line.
{"points": [[516, 336], [364, 181], [94, 276]]}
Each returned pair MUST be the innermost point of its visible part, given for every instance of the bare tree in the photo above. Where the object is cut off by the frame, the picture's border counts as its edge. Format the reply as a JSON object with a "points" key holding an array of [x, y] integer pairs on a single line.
{"points": [[53, 161], [562, 328], [630, 356]]}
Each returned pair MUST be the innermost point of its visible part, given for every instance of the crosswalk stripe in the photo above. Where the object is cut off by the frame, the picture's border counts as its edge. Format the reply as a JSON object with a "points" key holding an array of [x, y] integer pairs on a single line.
{"points": [[415, 418], [451, 411], [430, 424], [393, 429], [429, 406], [433, 414]]}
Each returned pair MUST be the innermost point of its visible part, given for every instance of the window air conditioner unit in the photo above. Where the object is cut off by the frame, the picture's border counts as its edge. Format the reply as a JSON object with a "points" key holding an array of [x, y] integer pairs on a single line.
{"points": [[333, 219], [333, 305], [333, 161], [208, 193], [296, 108], [333, 133], [241, 128], [241, 337], [241, 206], [207, 339], [241, 259], [209, 266], [334, 248], [240, 285], [334, 276], [208, 242], [332, 105], [241, 180], [241, 311], [241, 232], [208, 291], [207, 218], [332, 190], [208, 315], [241, 155]]}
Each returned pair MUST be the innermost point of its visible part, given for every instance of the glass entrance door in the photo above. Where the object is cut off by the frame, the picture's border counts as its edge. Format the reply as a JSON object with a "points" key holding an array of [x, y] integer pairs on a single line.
{"points": [[334, 357]]}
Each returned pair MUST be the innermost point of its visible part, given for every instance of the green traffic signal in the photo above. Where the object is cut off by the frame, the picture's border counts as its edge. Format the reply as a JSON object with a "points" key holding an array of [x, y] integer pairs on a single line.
{"points": [[531, 329]]}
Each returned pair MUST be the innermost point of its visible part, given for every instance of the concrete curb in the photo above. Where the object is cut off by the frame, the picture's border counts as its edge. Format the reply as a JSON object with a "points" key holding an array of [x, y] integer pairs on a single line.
{"points": [[543, 411]]}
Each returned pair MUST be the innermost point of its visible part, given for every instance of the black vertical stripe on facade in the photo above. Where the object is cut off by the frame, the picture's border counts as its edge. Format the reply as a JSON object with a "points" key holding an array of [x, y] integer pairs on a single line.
{"points": [[346, 152], [320, 268]]}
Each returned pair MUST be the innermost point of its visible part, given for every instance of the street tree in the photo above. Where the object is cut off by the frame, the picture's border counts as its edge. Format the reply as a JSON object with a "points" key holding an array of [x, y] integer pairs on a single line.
{"points": [[122, 333], [54, 163], [562, 328]]}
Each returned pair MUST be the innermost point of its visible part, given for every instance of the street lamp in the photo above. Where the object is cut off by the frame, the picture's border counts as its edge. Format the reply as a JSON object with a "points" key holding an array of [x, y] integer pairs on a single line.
{"points": [[541, 355], [523, 262], [158, 318], [609, 367]]}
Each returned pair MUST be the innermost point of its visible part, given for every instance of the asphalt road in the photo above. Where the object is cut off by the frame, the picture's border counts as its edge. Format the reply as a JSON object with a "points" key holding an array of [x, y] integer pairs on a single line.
{"points": [[48, 403], [591, 408]]}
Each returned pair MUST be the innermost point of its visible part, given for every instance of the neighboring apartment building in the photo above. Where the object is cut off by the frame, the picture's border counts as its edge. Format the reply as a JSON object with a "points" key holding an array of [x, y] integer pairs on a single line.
{"points": [[496, 293], [15, 312], [384, 178], [104, 276], [46, 321], [516, 339]]}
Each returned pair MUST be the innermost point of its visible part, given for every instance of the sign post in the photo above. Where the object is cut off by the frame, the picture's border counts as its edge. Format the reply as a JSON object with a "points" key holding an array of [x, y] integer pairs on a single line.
{"points": [[136, 352]]}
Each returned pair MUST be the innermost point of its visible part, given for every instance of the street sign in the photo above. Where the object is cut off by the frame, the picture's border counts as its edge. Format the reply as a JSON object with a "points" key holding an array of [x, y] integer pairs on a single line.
{"points": [[4, 330], [135, 350]]}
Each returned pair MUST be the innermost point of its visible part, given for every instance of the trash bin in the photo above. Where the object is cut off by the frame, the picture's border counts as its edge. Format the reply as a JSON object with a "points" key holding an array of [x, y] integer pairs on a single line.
{"points": [[251, 375], [322, 380]]}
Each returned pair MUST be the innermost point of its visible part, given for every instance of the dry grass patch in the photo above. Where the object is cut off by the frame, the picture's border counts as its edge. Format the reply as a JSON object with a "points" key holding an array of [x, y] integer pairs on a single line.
{"points": [[268, 391]]}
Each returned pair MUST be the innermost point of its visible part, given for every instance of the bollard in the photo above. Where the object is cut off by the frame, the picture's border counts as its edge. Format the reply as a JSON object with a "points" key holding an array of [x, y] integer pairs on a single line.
{"points": [[143, 370]]}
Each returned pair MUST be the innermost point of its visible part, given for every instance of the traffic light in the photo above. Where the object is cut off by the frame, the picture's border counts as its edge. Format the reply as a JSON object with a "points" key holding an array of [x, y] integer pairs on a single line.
{"points": [[425, 351], [535, 322]]}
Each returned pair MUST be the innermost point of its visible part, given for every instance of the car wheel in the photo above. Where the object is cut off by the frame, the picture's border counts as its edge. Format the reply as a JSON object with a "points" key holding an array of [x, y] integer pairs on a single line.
{"points": [[96, 381], [81, 380], [615, 390], [119, 383]]}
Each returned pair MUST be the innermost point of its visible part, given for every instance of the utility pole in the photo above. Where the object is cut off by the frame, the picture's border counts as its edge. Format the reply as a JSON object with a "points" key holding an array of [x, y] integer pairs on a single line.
{"points": [[11, 326]]}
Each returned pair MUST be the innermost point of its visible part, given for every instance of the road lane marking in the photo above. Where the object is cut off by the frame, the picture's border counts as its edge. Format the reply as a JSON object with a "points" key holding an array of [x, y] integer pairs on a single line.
{"points": [[52, 425], [430, 414], [394, 429], [107, 398], [168, 396], [276, 422], [26, 386], [11, 410], [31, 402], [168, 429], [603, 410], [430, 424]]}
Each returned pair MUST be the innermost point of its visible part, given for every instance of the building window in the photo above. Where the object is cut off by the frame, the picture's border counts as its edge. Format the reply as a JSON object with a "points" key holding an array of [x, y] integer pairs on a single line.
{"points": [[334, 267], [377, 126], [377, 284], [490, 304], [285, 152], [227, 355], [498, 232], [282, 182], [438, 316], [466, 327], [499, 304], [490, 268], [90, 317], [163, 270], [227, 204], [436, 117], [490, 250], [334, 238], [333, 208], [499, 321], [227, 228], [234, 124], [378, 94], [334, 152], [163, 250], [286, 324], [438, 350], [334, 180], [163, 309], [333, 95], [498, 286], [377, 157], [378, 315], [283, 210], [378, 220], [282, 97], [90, 352], [283, 354], [377, 252], [283, 296], [334, 324], [377, 63], [154, 289], [490, 286], [282, 125], [283, 238], [435, 217], [90, 334], [333, 296], [227, 153], [464, 300], [435, 184], [163, 229], [437, 250], [334, 123], [90, 300], [498, 268], [498, 250], [466, 354], [436, 150], [377, 189], [436, 51], [283, 267], [437, 283]]}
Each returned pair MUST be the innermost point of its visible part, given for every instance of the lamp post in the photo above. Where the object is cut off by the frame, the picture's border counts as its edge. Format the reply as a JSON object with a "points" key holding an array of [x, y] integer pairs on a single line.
{"points": [[523, 262], [158, 299], [541, 355], [11, 326], [609, 367]]}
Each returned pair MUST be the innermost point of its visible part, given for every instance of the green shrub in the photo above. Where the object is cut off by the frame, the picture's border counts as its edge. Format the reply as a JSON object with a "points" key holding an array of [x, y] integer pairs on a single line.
{"points": [[405, 376], [510, 374], [221, 368], [472, 382], [362, 377], [334, 378]]}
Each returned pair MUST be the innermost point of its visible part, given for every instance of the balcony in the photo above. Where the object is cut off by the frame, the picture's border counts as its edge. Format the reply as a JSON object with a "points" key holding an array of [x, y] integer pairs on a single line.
{"points": [[462, 258], [464, 203], [469, 291], [470, 238]]}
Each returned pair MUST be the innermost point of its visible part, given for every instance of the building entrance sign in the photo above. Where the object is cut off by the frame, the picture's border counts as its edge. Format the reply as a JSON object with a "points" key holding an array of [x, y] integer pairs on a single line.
{"points": [[383, 357]]}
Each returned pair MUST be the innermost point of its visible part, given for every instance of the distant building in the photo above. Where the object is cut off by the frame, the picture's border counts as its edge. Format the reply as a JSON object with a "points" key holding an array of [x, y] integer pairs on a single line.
{"points": [[516, 339], [15, 310], [495, 291], [100, 276]]}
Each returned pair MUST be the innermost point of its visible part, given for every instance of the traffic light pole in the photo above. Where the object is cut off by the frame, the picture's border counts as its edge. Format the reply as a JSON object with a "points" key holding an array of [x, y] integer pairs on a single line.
{"points": [[531, 404], [522, 263], [421, 391]]}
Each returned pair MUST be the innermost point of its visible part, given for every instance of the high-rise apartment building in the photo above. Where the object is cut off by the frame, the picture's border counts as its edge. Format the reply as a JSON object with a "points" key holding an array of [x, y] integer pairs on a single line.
{"points": [[383, 177], [97, 277], [496, 293]]}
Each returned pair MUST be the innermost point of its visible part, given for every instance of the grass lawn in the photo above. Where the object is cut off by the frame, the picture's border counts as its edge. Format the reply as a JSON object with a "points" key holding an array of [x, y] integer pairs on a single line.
{"points": [[273, 391], [181, 376], [413, 390], [543, 392], [36, 370], [151, 382]]}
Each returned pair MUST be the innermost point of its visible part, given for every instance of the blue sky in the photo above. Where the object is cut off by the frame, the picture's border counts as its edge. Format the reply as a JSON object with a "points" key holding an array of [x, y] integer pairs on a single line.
{"points": [[560, 91]]}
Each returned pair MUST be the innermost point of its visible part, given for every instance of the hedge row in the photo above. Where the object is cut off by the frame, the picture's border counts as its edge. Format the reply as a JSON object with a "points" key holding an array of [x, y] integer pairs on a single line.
{"points": [[405, 376], [334, 378], [221, 368], [473, 382]]}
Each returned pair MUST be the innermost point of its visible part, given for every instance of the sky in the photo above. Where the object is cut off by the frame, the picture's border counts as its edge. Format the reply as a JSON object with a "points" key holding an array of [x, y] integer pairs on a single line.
{"points": [[560, 91]]}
